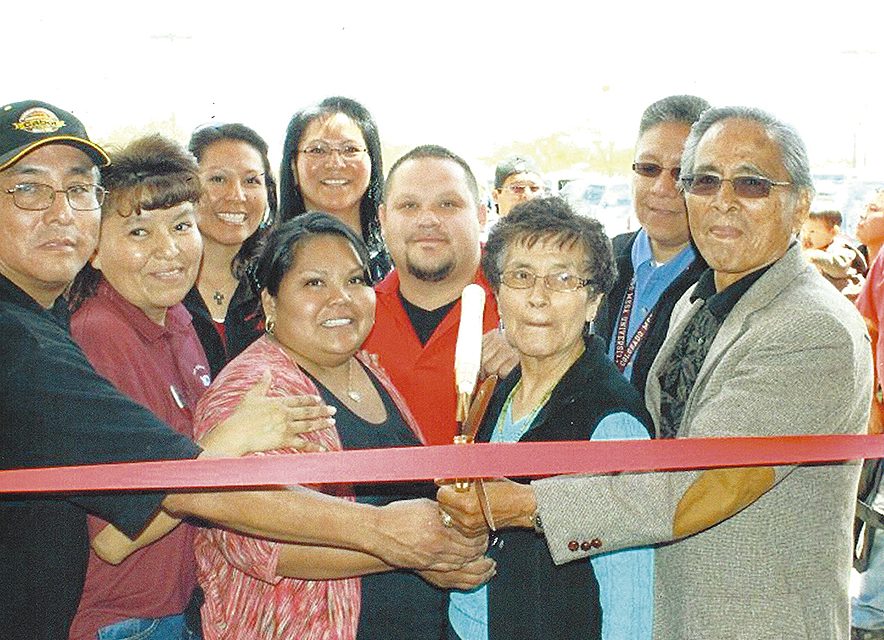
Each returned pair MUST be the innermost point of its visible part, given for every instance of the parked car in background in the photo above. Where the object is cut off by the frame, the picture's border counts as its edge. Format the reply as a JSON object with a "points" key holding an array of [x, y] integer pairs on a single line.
{"points": [[608, 200], [832, 191]]}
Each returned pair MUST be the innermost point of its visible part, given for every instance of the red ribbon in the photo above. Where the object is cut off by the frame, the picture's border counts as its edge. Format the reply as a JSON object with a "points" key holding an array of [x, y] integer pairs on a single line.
{"points": [[449, 461]]}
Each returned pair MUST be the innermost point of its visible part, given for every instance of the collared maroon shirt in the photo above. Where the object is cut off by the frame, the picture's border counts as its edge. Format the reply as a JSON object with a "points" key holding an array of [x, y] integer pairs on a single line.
{"points": [[164, 369]]}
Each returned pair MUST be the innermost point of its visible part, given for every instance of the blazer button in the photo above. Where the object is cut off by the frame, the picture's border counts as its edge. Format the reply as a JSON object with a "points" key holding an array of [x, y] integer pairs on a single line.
{"points": [[595, 543], [573, 545], [585, 546]]}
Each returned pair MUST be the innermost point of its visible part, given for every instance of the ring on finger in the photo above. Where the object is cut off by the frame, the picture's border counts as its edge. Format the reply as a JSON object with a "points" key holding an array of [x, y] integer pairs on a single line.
{"points": [[447, 521]]}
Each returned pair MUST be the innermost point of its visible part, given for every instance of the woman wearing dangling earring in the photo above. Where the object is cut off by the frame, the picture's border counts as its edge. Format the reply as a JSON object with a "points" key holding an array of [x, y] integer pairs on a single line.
{"points": [[319, 308], [237, 208]]}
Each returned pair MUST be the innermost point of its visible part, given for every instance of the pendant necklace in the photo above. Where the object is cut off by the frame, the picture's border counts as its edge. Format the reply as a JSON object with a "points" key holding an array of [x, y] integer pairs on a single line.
{"points": [[351, 392], [218, 297]]}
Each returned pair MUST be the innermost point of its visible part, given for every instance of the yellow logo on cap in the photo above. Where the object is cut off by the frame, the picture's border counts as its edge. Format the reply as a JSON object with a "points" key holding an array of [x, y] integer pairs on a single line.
{"points": [[38, 120]]}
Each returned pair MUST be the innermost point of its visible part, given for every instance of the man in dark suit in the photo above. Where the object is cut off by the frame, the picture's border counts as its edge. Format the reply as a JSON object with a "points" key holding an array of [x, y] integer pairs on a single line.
{"points": [[657, 263]]}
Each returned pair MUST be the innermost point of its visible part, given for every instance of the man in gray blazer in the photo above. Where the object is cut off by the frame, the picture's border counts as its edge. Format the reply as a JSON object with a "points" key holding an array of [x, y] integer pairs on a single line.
{"points": [[761, 346]]}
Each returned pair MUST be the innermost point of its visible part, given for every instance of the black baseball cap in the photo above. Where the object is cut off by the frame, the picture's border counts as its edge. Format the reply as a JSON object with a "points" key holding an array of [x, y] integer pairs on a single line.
{"points": [[26, 125], [511, 166]]}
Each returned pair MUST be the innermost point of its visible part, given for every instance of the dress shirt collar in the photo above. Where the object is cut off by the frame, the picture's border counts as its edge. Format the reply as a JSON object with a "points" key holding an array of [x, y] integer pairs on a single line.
{"points": [[721, 303], [642, 254]]}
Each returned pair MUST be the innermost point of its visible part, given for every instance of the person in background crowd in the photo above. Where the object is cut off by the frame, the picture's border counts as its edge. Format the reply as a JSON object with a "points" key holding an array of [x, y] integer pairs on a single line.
{"points": [[238, 203], [833, 255], [760, 552], [56, 410], [657, 263], [430, 218], [867, 606], [549, 268], [130, 323], [319, 308], [516, 180], [870, 229], [331, 162]]}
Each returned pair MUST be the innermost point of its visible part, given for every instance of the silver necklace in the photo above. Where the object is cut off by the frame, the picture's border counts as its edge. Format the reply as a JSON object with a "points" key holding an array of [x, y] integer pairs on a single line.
{"points": [[354, 395]]}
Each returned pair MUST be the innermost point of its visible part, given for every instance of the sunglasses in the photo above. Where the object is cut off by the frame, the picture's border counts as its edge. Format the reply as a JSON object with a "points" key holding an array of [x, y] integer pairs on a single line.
{"points": [[521, 189], [652, 170], [706, 184]]}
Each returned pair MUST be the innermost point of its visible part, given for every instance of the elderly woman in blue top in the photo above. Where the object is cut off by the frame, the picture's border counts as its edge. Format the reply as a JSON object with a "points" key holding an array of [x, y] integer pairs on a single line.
{"points": [[550, 268]]}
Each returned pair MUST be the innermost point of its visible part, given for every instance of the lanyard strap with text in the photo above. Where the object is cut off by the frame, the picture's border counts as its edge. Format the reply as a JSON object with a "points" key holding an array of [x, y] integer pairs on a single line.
{"points": [[622, 351]]}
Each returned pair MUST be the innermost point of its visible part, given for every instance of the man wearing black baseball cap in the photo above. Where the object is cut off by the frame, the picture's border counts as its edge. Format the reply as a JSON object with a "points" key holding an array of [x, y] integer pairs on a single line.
{"points": [[24, 126], [56, 410], [516, 180]]}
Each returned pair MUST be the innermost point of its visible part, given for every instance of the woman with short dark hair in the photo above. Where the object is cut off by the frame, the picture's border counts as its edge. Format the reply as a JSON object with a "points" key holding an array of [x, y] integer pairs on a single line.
{"points": [[549, 269], [130, 323]]}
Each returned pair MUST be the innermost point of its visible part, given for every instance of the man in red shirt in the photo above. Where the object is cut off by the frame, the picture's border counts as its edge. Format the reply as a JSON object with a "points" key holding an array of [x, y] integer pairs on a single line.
{"points": [[430, 219]]}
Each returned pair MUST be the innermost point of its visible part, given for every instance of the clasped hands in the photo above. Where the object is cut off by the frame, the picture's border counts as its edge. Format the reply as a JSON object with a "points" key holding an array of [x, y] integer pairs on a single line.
{"points": [[512, 504]]}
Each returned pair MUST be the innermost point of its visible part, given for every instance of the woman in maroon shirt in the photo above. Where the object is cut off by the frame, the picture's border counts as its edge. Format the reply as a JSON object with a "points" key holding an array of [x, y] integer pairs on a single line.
{"points": [[131, 324]]}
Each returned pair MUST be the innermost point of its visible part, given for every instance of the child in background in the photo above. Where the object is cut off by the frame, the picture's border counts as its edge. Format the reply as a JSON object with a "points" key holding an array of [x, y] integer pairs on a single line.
{"points": [[831, 253]]}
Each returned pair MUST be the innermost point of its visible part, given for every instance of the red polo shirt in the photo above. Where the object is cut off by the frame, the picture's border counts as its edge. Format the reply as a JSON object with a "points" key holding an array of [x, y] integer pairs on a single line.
{"points": [[423, 374]]}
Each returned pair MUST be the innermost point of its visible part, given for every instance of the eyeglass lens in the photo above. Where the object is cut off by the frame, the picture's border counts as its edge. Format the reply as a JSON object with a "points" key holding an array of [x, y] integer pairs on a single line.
{"points": [[744, 186], [33, 196], [522, 279], [652, 170]]}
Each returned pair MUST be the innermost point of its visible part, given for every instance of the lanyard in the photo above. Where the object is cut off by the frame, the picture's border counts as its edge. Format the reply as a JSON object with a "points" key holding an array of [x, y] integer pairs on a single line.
{"points": [[623, 352]]}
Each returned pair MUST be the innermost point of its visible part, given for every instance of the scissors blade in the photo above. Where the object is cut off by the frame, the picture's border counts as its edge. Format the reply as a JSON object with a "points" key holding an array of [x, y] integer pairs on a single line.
{"points": [[476, 414], [478, 407]]}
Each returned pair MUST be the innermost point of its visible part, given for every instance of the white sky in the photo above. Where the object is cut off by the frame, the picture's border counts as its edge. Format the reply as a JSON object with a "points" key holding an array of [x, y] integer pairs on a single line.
{"points": [[472, 76]]}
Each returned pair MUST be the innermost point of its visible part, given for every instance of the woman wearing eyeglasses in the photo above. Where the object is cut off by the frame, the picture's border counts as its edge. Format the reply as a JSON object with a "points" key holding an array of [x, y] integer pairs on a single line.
{"points": [[549, 268], [238, 204], [331, 162]]}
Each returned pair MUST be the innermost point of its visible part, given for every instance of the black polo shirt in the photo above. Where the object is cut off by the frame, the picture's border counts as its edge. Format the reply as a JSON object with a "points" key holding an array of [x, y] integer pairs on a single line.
{"points": [[56, 410]]}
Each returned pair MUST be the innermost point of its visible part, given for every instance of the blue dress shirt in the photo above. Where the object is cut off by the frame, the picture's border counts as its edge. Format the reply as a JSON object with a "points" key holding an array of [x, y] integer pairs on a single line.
{"points": [[651, 280]]}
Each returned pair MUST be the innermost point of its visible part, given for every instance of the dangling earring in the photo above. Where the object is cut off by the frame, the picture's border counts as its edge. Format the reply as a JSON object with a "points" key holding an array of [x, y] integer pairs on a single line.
{"points": [[269, 326]]}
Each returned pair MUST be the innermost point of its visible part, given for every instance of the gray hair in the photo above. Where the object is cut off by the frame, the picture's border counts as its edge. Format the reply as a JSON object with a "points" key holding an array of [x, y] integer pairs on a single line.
{"points": [[785, 136], [551, 218], [686, 109]]}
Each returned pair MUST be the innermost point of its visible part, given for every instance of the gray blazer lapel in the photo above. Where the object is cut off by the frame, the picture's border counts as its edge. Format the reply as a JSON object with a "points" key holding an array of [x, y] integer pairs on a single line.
{"points": [[759, 295]]}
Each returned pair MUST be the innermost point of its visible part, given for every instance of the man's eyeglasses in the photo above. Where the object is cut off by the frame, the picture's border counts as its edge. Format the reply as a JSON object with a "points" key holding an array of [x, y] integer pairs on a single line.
{"points": [[35, 196], [561, 281], [323, 151], [520, 189], [707, 184], [652, 170]]}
